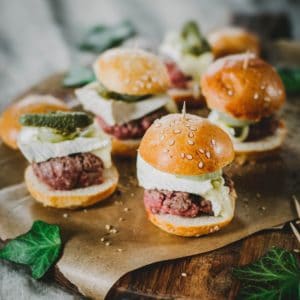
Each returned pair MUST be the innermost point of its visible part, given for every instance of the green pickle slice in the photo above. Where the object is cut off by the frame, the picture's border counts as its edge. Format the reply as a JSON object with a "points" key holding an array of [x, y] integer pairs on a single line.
{"points": [[63, 122]]}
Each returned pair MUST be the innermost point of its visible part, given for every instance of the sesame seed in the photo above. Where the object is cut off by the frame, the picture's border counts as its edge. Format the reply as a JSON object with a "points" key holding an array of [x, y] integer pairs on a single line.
{"points": [[296, 250], [230, 92], [148, 85], [255, 97], [267, 99], [201, 164], [213, 142], [190, 142], [171, 142], [207, 154], [157, 124], [191, 135], [121, 219], [102, 239], [177, 131], [108, 227], [189, 156], [182, 155], [114, 230], [201, 151], [216, 228], [65, 215], [107, 243], [119, 250], [183, 274], [193, 128], [165, 150], [161, 137]]}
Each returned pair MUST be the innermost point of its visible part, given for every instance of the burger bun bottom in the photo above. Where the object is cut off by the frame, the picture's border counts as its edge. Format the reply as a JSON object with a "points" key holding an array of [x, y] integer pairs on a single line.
{"points": [[193, 227], [72, 199], [125, 148]]}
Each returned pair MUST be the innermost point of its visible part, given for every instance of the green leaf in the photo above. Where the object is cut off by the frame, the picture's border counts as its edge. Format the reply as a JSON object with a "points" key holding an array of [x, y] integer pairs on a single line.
{"points": [[39, 248], [78, 76], [100, 38], [290, 78], [276, 275]]}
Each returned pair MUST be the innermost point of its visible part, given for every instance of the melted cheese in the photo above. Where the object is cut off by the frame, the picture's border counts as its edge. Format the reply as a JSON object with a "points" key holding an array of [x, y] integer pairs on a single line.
{"points": [[38, 151], [118, 112]]}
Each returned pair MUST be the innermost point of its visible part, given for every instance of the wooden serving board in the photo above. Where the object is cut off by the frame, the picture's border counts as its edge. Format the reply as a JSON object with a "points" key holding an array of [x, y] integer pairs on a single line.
{"points": [[208, 276]]}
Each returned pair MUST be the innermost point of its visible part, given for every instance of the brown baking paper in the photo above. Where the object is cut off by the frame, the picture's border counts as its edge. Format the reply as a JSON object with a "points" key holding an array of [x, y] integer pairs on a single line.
{"points": [[264, 191]]}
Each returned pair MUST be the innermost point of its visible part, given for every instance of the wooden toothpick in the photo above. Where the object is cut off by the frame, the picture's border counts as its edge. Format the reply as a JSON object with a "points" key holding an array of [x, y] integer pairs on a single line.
{"points": [[183, 112]]}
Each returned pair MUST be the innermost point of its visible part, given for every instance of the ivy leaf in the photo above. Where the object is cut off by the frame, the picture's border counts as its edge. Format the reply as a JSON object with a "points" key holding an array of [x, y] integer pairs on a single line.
{"points": [[290, 78], [78, 76], [276, 275], [39, 248], [100, 38]]}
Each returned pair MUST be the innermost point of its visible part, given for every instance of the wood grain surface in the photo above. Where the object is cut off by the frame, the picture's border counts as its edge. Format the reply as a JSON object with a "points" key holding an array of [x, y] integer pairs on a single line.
{"points": [[208, 276]]}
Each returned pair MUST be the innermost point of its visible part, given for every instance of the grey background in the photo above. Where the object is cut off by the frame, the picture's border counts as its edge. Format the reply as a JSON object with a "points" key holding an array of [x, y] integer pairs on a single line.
{"points": [[38, 38]]}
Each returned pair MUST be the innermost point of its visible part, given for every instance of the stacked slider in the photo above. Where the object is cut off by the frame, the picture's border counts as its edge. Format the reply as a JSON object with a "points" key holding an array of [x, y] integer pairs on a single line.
{"points": [[128, 96]]}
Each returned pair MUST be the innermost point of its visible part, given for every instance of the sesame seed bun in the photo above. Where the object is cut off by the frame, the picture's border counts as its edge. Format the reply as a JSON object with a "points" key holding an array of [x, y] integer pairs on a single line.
{"points": [[186, 144], [75, 198], [233, 40], [131, 72], [243, 86], [193, 227], [9, 121]]}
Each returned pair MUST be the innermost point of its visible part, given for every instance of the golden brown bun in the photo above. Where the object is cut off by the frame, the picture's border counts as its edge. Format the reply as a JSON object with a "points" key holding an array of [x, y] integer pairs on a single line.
{"points": [[132, 72], [75, 198], [192, 227], [243, 86], [125, 148], [233, 40], [9, 121], [186, 145]]}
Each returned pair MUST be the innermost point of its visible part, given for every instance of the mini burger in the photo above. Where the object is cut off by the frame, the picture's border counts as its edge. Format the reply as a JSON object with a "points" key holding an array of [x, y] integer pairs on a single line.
{"points": [[233, 40], [9, 120], [244, 94], [70, 159], [187, 55], [179, 164], [128, 96]]}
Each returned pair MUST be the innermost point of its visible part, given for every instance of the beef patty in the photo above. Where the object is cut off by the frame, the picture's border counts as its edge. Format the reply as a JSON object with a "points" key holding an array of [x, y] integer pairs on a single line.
{"points": [[70, 172], [263, 128], [177, 78], [134, 129], [180, 203]]}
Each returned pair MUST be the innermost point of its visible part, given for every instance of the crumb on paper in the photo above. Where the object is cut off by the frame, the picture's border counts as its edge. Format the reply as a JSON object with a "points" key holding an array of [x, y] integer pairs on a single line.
{"points": [[107, 244], [113, 230], [120, 250], [126, 209], [108, 227], [121, 219], [102, 239]]}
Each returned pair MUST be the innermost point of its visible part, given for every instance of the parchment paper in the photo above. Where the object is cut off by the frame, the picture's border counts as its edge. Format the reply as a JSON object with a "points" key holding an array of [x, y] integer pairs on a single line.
{"points": [[264, 191]]}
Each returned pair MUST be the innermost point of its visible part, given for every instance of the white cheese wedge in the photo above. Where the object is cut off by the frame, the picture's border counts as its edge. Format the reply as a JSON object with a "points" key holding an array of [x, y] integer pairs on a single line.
{"points": [[117, 112], [38, 151], [151, 178]]}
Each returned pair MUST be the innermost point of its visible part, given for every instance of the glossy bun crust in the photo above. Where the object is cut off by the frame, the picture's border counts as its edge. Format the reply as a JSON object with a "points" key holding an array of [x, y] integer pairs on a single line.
{"points": [[233, 40], [9, 121], [186, 145], [243, 86], [132, 72]]}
